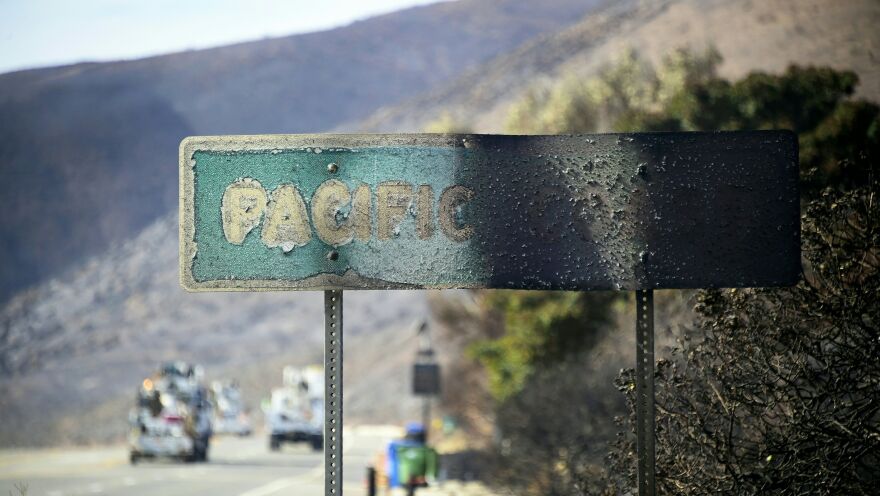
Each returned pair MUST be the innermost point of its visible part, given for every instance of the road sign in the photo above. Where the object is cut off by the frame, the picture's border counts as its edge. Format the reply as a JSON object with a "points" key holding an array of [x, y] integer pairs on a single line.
{"points": [[426, 379], [610, 211]]}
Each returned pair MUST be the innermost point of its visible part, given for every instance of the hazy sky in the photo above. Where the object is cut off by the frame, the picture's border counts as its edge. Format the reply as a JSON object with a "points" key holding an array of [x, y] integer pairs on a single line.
{"points": [[36, 33]]}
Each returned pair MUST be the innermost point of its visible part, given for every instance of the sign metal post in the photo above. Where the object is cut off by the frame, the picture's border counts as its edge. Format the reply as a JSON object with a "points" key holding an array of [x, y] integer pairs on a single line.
{"points": [[333, 392], [634, 211], [645, 391]]}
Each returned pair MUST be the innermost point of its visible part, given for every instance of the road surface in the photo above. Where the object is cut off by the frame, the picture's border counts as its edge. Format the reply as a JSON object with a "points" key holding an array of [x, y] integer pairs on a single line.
{"points": [[237, 467]]}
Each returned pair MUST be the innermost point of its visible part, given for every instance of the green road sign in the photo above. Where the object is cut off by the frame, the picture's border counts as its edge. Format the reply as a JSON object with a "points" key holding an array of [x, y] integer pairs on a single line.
{"points": [[611, 211]]}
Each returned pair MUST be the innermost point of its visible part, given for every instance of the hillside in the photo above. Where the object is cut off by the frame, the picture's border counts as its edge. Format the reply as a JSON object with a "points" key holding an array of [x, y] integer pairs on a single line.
{"points": [[89, 151], [751, 35]]}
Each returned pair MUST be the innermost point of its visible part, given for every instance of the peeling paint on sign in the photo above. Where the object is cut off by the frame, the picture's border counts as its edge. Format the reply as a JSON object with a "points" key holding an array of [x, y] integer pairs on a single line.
{"points": [[614, 211], [338, 215]]}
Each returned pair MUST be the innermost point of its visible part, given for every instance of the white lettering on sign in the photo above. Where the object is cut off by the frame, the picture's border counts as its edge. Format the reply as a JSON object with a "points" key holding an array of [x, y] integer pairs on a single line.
{"points": [[286, 219], [393, 199], [338, 214], [451, 201], [242, 206]]}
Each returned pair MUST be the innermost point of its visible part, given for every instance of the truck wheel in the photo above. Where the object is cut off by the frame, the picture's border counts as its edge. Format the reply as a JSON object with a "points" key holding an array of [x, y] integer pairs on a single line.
{"points": [[317, 442], [274, 443]]}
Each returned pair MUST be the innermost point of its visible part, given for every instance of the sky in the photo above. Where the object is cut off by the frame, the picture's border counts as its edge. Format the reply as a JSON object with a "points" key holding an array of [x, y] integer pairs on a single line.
{"points": [[38, 33]]}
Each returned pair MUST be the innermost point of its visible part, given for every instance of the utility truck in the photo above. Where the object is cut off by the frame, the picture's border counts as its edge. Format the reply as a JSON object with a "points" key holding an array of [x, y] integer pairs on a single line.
{"points": [[172, 415], [230, 413], [295, 412]]}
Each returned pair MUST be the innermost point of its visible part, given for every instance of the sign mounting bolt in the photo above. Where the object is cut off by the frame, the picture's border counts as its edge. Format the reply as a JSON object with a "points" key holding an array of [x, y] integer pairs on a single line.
{"points": [[332, 255], [332, 167]]}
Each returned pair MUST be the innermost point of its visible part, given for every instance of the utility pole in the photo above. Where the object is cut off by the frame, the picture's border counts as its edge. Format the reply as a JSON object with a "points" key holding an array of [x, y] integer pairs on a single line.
{"points": [[426, 374]]}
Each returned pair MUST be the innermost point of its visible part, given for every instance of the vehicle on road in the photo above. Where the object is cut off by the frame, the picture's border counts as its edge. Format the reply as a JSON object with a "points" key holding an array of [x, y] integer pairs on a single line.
{"points": [[231, 416], [295, 412], [172, 416]]}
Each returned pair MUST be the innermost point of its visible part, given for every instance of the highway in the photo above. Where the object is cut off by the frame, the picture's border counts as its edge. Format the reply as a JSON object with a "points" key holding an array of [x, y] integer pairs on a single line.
{"points": [[237, 467]]}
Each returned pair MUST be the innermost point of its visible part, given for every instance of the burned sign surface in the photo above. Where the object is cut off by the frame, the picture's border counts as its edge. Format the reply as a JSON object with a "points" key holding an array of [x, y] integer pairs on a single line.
{"points": [[611, 211]]}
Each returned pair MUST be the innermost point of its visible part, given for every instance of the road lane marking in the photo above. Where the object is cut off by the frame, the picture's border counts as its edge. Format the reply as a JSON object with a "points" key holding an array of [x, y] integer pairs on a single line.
{"points": [[59, 468], [272, 487], [279, 484]]}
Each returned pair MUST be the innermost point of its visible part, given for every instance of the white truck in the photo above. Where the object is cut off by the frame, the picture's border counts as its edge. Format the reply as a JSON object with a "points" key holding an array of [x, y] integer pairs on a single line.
{"points": [[230, 413], [295, 412], [172, 417]]}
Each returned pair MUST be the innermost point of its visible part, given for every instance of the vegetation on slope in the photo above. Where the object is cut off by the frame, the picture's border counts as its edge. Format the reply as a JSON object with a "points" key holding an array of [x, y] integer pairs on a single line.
{"points": [[768, 390]]}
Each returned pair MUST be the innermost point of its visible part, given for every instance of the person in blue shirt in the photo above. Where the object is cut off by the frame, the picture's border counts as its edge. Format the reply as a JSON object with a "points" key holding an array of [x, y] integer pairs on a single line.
{"points": [[410, 460]]}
